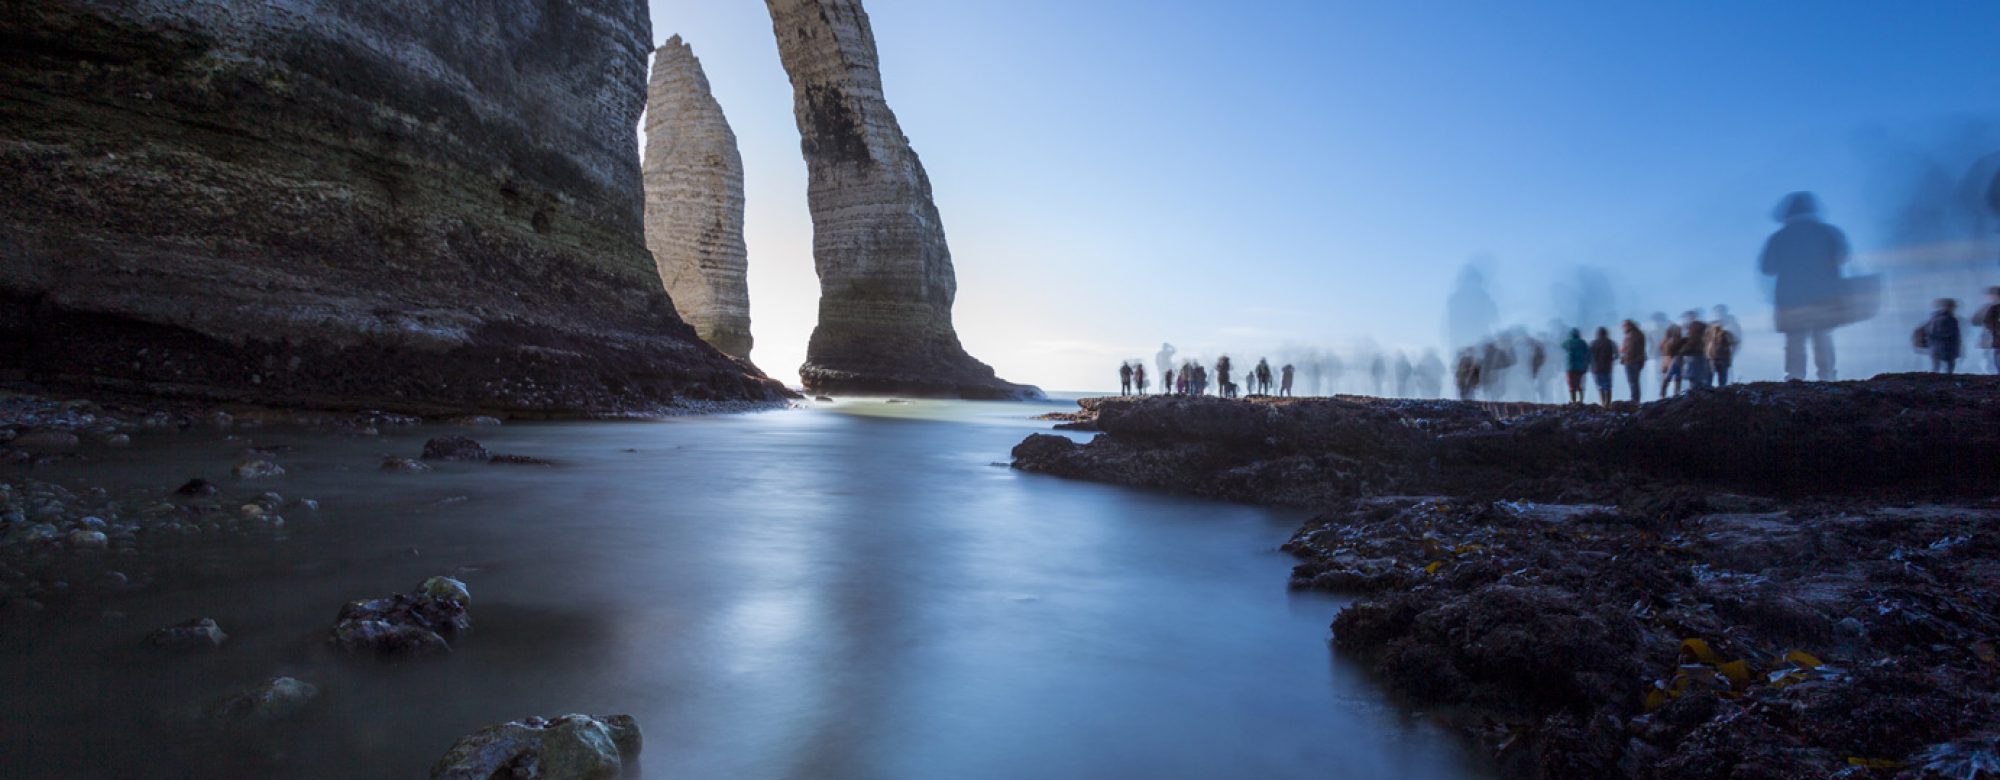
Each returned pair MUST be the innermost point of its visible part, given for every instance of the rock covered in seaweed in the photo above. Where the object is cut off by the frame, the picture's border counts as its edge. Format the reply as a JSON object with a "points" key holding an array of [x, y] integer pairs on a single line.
{"points": [[566, 747], [406, 624]]}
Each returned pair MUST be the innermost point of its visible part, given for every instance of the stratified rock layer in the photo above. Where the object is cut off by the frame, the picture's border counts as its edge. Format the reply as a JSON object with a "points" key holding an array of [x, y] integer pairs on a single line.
{"points": [[405, 203], [885, 275], [694, 201]]}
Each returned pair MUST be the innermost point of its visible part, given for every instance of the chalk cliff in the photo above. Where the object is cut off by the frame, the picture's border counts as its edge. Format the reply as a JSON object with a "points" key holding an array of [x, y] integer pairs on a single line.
{"points": [[412, 204], [694, 201], [885, 274]]}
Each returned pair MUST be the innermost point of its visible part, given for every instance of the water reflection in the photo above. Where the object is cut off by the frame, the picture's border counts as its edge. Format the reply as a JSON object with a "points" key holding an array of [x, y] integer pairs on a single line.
{"points": [[854, 592]]}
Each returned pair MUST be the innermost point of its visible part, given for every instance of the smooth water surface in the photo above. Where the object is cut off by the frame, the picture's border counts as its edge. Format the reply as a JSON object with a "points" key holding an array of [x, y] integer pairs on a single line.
{"points": [[854, 591]]}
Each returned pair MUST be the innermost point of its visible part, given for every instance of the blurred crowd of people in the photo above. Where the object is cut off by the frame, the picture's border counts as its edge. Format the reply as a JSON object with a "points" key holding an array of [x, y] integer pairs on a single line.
{"points": [[1812, 296]]}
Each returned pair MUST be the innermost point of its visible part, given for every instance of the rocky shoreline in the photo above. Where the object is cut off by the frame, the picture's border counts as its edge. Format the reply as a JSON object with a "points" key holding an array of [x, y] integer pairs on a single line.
{"points": [[1758, 581]]}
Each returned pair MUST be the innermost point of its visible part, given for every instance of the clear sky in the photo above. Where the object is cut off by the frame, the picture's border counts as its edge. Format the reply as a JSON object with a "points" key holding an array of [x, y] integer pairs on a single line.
{"points": [[1248, 176]]}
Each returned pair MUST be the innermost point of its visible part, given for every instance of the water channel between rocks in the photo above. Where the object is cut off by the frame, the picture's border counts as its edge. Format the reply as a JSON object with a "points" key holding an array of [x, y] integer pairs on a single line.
{"points": [[860, 590]]}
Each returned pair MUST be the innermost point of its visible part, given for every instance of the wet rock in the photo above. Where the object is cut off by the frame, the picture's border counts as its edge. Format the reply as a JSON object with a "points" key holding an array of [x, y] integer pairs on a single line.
{"points": [[520, 460], [197, 487], [256, 468], [46, 441], [407, 624], [197, 634], [117, 440], [405, 465], [454, 448], [84, 539], [276, 699], [473, 420], [566, 747]]}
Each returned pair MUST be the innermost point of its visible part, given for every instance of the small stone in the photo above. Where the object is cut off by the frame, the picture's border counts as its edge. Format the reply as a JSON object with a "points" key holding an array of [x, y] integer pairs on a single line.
{"points": [[402, 464], [196, 487], [454, 448], [251, 511], [257, 468], [197, 634], [93, 522], [446, 588], [519, 460], [308, 504], [88, 540], [117, 440]]}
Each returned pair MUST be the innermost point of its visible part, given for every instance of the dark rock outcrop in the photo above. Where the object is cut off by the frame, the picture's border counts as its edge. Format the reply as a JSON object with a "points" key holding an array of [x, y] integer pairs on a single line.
{"points": [[694, 201], [1913, 434], [390, 204], [406, 624], [455, 448], [566, 747], [885, 273], [1767, 580]]}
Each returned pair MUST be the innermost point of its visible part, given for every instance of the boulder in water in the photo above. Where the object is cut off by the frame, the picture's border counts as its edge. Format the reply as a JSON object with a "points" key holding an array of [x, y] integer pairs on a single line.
{"points": [[406, 624], [454, 448], [279, 698], [566, 747], [257, 468], [196, 634], [405, 465]]}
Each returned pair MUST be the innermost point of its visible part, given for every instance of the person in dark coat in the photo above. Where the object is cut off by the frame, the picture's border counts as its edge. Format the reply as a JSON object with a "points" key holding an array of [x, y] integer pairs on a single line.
{"points": [[1721, 349], [1603, 354], [1632, 354], [1942, 336], [1694, 354], [1124, 378], [1806, 256], [1989, 318]]}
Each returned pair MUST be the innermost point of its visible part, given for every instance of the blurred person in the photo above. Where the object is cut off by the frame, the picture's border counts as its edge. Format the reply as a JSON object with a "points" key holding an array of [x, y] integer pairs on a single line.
{"points": [[1989, 316], [1139, 376], [1656, 331], [1806, 256], [1632, 354], [1167, 381], [1941, 336], [1576, 363], [1164, 361], [1721, 349], [1538, 356], [1430, 375], [1377, 370], [1124, 378], [1727, 321], [1263, 376], [1403, 372], [1694, 365], [1603, 355], [1285, 380], [1494, 361], [1222, 383], [1670, 364], [1467, 374]]}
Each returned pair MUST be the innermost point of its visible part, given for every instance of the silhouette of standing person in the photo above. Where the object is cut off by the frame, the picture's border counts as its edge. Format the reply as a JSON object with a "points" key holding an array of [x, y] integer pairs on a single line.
{"points": [[1632, 354], [1124, 378], [1285, 380], [1139, 376], [1806, 256], [1164, 360]]}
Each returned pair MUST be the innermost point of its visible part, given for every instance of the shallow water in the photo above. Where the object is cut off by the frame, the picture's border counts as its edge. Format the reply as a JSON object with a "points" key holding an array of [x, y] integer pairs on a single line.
{"points": [[860, 591]]}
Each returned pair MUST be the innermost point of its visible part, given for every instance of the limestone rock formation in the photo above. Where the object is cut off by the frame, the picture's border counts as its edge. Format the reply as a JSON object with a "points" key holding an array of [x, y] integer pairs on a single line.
{"points": [[407, 204], [885, 274], [694, 201]]}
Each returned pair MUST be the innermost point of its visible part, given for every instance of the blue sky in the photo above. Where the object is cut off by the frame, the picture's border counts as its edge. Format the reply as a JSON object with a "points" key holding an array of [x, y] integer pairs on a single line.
{"points": [[1255, 176]]}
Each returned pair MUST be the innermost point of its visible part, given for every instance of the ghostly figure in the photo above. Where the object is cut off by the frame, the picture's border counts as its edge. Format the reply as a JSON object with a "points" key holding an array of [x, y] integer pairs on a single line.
{"points": [[1811, 296]]}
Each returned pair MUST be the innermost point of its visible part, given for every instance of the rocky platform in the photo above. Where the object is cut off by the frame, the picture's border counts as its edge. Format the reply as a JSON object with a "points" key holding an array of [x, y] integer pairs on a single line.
{"points": [[1762, 581]]}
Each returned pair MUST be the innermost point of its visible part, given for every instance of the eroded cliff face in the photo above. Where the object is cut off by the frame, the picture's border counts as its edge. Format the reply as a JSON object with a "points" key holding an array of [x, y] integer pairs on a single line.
{"points": [[417, 204], [694, 201], [885, 274]]}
